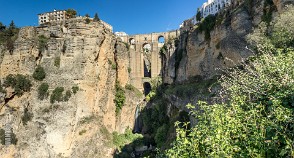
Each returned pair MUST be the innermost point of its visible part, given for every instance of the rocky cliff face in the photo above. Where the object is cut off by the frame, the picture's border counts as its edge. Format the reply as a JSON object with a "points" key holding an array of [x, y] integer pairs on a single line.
{"points": [[193, 55], [75, 54]]}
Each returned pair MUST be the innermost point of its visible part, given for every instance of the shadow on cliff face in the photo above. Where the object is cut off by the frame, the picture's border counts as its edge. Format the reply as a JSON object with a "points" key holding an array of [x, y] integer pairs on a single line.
{"points": [[156, 123]]}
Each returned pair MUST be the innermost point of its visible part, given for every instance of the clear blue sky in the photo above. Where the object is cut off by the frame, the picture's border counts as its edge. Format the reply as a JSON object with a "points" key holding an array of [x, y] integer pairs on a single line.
{"points": [[131, 16]]}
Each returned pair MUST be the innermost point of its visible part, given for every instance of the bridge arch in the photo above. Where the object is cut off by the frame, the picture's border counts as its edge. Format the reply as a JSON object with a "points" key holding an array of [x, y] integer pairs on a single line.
{"points": [[146, 47], [132, 41], [161, 39]]}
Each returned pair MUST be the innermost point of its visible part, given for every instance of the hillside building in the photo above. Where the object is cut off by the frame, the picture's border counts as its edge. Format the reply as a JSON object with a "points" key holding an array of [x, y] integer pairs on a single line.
{"points": [[56, 15], [213, 6]]}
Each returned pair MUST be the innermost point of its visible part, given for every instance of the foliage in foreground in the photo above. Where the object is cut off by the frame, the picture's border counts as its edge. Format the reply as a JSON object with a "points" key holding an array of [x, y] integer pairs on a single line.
{"points": [[256, 118]]}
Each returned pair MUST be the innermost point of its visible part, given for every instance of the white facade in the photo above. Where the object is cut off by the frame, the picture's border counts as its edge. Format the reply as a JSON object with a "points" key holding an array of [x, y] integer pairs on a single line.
{"points": [[120, 34], [56, 15], [213, 6]]}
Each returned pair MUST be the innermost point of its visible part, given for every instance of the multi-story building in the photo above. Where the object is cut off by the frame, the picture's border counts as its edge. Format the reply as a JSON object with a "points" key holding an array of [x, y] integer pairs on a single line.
{"points": [[213, 6], [56, 15], [208, 8]]}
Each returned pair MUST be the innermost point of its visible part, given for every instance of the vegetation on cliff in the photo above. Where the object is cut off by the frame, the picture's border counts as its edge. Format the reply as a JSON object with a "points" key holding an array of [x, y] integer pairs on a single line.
{"points": [[19, 83], [255, 118], [8, 35]]}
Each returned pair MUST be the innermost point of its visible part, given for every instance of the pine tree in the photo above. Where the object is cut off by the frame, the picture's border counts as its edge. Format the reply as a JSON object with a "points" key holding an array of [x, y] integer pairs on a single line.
{"points": [[96, 18]]}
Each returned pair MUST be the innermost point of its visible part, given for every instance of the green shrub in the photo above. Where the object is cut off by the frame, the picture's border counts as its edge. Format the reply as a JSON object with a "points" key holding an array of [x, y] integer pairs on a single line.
{"points": [[120, 97], [87, 20], [113, 66], [129, 70], [2, 136], [57, 95], [27, 116], [82, 132], [120, 140], [43, 40], [130, 87], [283, 31], [268, 10], [43, 91], [207, 25], [71, 13], [75, 89], [39, 73], [161, 135], [67, 95], [2, 90], [19, 83], [57, 62]]}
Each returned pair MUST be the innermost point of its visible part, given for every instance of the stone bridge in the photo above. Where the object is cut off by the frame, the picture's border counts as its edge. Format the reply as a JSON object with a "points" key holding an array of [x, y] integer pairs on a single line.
{"points": [[145, 59]]}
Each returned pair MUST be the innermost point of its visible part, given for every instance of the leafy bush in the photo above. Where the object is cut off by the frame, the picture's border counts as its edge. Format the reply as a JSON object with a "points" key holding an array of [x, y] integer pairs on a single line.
{"points": [[75, 89], [82, 132], [87, 20], [43, 91], [57, 95], [268, 10], [129, 70], [20, 83], [161, 135], [67, 95], [27, 116], [120, 140], [43, 40], [39, 73], [283, 31], [207, 25], [120, 97], [57, 62], [71, 13]]}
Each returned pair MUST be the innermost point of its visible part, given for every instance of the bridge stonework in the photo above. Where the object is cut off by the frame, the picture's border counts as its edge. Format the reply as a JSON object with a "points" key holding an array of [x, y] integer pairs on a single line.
{"points": [[145, 53]]}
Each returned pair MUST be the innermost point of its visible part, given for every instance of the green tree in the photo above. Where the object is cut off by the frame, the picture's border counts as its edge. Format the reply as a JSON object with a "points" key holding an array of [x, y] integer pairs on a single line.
{"points": [[2, 27], [198, 15], [96, 18], [43, 91], [87, 20], [19, 83], [67, 95], [75, 89], [57, 95], [39, 73], [87, 15], [71, 13], [43, 40]]}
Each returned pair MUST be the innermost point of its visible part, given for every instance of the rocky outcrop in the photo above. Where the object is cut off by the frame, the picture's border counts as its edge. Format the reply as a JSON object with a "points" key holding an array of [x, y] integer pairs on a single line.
{"points": [[193, 56], [75, 54]]}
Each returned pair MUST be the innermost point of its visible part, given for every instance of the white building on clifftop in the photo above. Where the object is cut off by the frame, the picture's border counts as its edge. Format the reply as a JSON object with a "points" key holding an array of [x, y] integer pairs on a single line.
{"points": [[213, 6], [56, 15]]}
